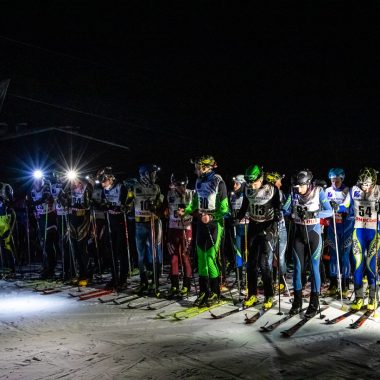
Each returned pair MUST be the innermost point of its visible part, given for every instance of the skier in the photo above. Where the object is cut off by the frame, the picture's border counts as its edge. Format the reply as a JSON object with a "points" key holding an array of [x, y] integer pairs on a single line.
{"points": [[309, 204], [179, 234], [145, 195], [336, 194], [61, 213], [114, 198], [240, 229], [365, 197], [76, 199], [41, 199], [7, 224], [262, 201], [275, 178], [210, 203]]}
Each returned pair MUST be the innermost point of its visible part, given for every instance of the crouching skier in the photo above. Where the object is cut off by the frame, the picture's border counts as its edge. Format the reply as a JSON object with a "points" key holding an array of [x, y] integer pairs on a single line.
{"points": [[211, 204]]}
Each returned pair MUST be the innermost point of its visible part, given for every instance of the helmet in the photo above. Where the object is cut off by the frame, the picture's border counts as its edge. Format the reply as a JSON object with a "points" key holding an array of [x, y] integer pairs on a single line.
{"points": [[336, 173], [253, 173], [303, 177], [148, 168], [273, 177], [239, 179], [178, 180], [367, 175], [104, 174], [148, 173], [206, 160]]}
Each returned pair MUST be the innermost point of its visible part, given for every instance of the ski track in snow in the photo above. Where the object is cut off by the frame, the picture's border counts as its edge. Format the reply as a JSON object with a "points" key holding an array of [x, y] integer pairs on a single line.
{"points": [[89, 340]]}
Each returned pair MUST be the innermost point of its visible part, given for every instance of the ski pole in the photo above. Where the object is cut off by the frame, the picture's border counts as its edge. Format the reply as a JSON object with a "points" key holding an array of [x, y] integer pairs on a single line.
{"points": [[127, 242], [95, 233], [338, 262], [28, 237], [154, 252], [278, 269], [116, 277]]}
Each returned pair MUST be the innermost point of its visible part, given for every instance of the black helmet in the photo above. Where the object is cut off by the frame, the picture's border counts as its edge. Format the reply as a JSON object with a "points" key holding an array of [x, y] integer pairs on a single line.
{"points": [[303, 177], [148, 168], [178, 180]]}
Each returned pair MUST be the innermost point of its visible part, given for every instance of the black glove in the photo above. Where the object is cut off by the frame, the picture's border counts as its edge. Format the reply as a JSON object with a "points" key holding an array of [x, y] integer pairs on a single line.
{"points": [[269, 234], [334, 205], [152, 206], [6, 234], [303, 214], [277, 216]]}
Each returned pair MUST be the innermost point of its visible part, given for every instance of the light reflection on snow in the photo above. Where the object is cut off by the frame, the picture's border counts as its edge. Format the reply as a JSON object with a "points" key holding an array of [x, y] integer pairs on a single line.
{"points": [[30, 304]]}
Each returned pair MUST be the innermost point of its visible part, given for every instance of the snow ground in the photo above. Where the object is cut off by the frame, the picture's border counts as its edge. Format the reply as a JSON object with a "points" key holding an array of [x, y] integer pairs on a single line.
{"points": [[57, 337]]}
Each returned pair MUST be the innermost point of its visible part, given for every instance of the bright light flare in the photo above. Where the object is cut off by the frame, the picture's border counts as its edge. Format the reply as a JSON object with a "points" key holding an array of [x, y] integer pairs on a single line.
{"points": [[37, 174], [71, 175]]}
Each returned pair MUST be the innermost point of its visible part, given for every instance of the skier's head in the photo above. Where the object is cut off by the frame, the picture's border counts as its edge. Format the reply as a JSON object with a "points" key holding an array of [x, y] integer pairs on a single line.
{"points": [[301, 181], [274, 178], [204, 165], [106, 177], [254, 176], [336, 176], [178, 182], [148, 173], [238, 182], [367, 178]]}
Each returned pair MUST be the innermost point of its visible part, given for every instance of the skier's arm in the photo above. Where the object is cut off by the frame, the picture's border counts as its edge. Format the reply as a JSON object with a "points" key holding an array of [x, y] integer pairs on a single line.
{"points": [[244, 208], [327, 210], [222, 208]]}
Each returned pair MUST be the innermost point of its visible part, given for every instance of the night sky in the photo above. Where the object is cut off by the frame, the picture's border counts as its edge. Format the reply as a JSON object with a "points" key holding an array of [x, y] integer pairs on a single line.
{"points": [[282, 86]]}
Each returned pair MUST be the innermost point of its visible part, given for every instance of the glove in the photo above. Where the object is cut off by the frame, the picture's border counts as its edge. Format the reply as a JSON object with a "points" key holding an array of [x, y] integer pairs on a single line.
{"points": [[303, 214], [334, 205], [277, 216], [6, 234], [152, 206]]}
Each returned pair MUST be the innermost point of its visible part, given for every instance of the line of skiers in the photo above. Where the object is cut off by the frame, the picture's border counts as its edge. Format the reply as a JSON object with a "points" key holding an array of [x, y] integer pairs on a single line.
{"points": [[78, 215]]}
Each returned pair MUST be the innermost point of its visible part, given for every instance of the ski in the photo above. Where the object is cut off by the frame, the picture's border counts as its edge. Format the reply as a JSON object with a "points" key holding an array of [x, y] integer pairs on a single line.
{"points": [[271, 327], [142, 302], [292, 330], [362, 319], [126, 299], [160, 305], [340, 317], [83, 292], [98, 293], [228, 312], [194, 311], [256, 316], [109, 298]]}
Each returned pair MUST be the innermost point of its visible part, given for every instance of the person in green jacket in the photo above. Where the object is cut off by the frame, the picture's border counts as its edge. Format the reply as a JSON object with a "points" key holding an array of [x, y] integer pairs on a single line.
{"points": [[209, 205]]}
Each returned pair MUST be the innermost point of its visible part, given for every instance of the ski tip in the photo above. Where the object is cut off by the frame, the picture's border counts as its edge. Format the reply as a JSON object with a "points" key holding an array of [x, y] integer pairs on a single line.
{"points": [[285, 334]]}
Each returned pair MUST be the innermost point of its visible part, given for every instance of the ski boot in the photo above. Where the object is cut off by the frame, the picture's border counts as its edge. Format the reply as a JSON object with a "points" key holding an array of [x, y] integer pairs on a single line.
{"points": [[184, 292], [345, 287], [203, 291], [297, 303], [143, 287], [250, 301], [312, 310], [357, 304], [333, 288], [174, 289], [214, 295], [83, 282], [372, 304], [268, 303]]}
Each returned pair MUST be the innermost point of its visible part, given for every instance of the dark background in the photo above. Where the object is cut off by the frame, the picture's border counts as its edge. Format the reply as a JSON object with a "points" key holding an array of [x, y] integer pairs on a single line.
{"points": [[283, 85]]}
